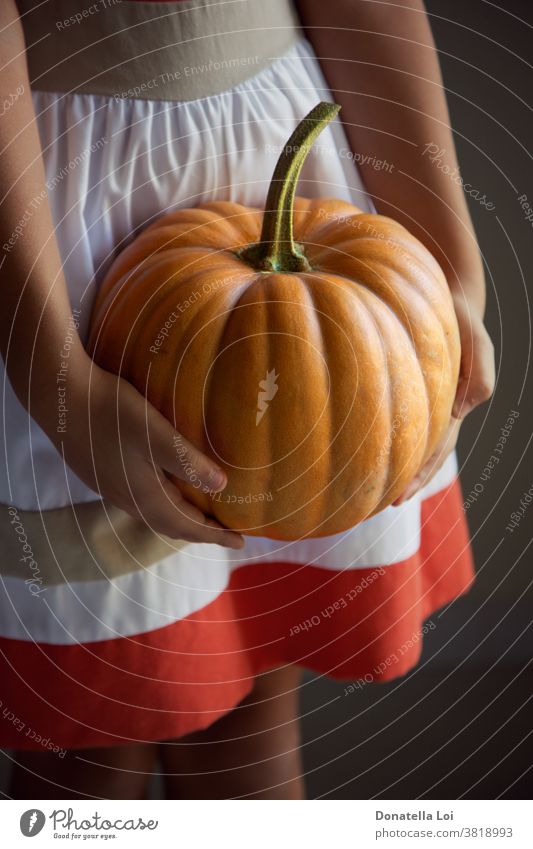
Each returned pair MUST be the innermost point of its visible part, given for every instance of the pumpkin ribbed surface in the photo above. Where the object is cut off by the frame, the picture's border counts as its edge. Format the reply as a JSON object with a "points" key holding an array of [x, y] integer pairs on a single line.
{"points": [[320, 392]]}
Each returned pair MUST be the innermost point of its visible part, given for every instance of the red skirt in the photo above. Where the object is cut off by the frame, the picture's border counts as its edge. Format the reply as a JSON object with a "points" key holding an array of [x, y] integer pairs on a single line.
{"points": [[350, 623]]}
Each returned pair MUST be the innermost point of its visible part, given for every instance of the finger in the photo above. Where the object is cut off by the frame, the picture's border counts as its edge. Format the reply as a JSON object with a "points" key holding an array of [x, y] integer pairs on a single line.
{"points": [[432, 466], [199, 527], [417, 483], [159, 504], [422, 478], [477, 375], [182, 522], [176, 455], [213, 532]]}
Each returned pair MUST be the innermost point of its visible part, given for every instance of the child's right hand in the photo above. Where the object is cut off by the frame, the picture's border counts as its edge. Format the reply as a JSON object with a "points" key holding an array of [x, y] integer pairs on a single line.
{"points": [[123, 448]]}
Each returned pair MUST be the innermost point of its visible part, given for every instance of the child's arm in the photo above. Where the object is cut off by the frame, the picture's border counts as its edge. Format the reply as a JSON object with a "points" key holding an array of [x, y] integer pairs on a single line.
{"points": [[123, 431], [381, 64]]}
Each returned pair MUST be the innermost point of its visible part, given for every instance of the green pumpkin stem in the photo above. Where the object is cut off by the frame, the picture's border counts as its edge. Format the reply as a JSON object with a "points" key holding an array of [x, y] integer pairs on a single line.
{"points": [[277, 250]]}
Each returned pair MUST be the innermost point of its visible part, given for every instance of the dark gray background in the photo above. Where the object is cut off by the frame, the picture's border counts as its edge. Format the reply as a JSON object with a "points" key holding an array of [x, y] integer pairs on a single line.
{"points": [[460, 724]]}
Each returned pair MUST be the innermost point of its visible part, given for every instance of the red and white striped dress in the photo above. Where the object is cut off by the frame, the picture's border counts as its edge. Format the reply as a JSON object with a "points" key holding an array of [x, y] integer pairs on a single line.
{"points": [[109, 634]]}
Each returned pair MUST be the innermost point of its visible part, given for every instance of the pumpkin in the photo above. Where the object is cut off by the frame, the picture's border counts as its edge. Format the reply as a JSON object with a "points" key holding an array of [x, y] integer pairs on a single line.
{"points": [[312, 350]]}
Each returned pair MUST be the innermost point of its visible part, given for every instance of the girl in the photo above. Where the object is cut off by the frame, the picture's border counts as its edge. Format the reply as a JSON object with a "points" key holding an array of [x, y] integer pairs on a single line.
{"points": [[138, 633]]}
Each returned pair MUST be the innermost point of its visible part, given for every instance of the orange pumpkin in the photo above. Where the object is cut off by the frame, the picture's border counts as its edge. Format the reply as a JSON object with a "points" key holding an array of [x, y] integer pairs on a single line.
{"points": [[312, 350]]}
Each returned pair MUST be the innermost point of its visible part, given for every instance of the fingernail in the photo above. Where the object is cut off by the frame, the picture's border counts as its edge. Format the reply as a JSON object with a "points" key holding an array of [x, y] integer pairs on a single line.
{"points": [[458, 410], [408, 492], [217, 479]]}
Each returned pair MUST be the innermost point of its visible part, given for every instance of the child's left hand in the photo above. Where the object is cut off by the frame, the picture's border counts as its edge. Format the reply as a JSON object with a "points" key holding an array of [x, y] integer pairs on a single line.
{"points": [[474, 387]]}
